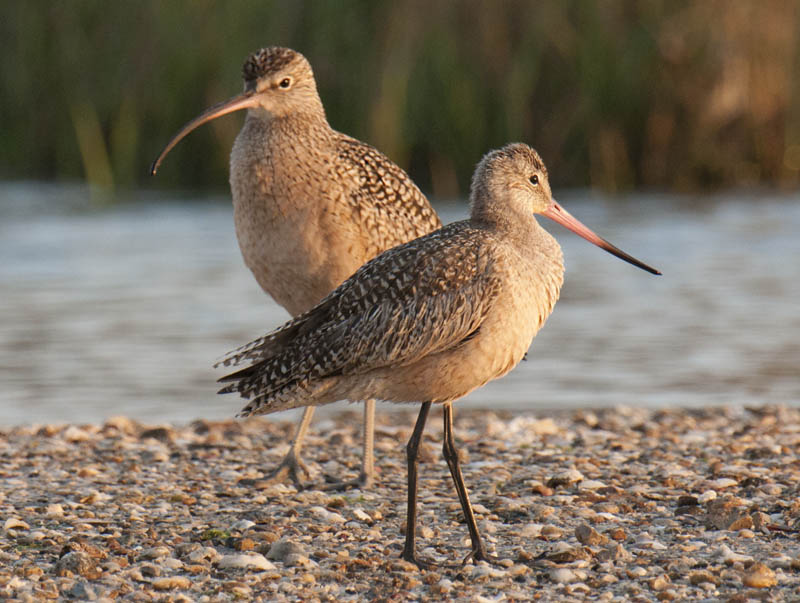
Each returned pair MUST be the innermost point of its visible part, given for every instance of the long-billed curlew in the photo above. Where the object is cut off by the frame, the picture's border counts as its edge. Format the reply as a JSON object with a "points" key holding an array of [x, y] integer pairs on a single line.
{"points": [[428, 321], [310, 204]]}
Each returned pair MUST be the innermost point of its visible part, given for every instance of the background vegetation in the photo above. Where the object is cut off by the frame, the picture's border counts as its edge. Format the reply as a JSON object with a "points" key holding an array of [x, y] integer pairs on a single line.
{"points": [[665, 94]]}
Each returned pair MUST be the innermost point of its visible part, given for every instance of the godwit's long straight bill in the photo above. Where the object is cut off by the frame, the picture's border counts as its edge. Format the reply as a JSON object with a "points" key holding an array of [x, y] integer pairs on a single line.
{"points": [[558, 214], [237, 103]]}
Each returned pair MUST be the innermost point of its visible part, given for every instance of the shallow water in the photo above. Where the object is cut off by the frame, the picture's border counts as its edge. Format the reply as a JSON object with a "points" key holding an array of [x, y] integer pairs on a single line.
{"points": [[122, 310]]}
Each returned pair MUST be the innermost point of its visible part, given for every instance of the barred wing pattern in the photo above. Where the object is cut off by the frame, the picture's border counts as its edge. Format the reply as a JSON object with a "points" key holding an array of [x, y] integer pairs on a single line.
{"points": [[390, 207], [417, 299]]}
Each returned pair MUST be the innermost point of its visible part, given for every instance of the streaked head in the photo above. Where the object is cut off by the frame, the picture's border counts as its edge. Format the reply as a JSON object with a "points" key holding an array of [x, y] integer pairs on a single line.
{"points": [[511, 183], [278, 82]]}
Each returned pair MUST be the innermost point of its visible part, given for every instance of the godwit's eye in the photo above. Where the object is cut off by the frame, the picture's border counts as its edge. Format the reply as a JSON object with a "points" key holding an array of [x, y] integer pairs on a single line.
{"points": [[285, 83], [534, 180]]}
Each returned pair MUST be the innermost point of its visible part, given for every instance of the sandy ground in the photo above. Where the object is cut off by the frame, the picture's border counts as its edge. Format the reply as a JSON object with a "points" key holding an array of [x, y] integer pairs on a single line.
{"points": [[619, 504]]}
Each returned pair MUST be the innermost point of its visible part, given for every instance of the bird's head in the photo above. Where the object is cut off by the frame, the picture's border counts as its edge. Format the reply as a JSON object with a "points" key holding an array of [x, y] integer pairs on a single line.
{"points": [[278, 82], [510, 184]]}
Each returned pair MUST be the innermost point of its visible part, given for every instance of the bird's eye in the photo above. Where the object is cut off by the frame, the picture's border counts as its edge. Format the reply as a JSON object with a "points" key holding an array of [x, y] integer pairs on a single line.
{"points": [[285, 83], [534, 180]]}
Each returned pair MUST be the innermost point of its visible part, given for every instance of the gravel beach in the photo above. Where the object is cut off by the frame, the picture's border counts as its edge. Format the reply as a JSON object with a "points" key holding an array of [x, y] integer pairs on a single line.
{"points": [[610, 505]]}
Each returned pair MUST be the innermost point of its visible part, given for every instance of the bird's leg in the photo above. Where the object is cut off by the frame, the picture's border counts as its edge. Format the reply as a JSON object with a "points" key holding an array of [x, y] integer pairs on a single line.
{"points": [[367, 476], [412, 454], [291, 465], [451, 456]]}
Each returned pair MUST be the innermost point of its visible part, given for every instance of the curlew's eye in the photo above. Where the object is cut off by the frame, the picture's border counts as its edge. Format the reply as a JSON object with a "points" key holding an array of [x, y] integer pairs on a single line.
{"points": [[534, 180], [285, 83]]}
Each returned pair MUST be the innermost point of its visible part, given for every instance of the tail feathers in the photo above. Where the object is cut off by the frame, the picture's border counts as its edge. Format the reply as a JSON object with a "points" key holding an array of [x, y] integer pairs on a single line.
{"points": [[272, 343], [294, 396], [248, 351]]}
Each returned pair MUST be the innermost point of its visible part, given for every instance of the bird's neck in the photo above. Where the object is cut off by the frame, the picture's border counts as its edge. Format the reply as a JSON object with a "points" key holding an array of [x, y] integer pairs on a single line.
{"points": [[296, 126]]}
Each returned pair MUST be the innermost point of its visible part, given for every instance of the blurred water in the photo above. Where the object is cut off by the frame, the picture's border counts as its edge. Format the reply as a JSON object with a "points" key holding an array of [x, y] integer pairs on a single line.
{"points": [[122, 310]]}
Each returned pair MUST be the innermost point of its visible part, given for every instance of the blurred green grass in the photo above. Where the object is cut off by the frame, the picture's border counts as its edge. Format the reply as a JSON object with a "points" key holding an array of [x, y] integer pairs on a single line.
{"points": [[615, 94]]}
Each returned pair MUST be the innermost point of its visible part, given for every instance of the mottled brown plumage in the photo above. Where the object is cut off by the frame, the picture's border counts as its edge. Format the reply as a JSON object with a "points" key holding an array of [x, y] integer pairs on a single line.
{"points": [[428, 321], [311, 204]]}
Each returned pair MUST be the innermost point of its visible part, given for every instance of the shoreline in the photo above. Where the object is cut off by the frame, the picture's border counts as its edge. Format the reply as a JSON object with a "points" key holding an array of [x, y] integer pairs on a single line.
{"points": [[600, 504]]}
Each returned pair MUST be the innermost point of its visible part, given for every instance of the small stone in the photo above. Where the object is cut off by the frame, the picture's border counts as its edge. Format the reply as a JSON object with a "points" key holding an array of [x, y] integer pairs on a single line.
{"points": [[551, 532], [442, 587], [617, 534], [329, 516], [729, 557], [700, 576], [568, 554], [242, 525], [519, 570], [155, 552], [54, 510], [295, 559], [282, 548], [728, 514], [706, 496], [636, 572], [75, 563], [563, 575], [165, 434], [150, 570], [172, 563], [661, 582], [565, 478], [255, 561], [531, 531], [244, 544], [722, 483], [761, 521], [359, 514], [591, 484], [14, 523], [172, 583], [75, 434], [83, 591], [759, 575], [588, 536], [425, 532]]}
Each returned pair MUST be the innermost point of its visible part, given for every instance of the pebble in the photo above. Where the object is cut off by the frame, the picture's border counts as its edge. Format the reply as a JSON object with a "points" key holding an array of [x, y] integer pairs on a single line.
{"points": [[284, 548], [255, 561], [589, 536], [564, 478], [612, 505], [759, 575], [154, 553], [172, 583], [322, 514], [564, 575], [243, 525], [14, 523]]}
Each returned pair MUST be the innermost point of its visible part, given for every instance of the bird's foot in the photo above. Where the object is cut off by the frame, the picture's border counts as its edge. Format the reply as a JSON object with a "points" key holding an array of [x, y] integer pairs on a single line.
{"points": [[290, 468], [421, 562], [480, 554], [363, 482]]}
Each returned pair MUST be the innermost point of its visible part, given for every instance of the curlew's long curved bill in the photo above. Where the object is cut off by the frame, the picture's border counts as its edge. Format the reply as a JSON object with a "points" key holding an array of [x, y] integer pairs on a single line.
{"points": [[237, 103], [558, 214]]}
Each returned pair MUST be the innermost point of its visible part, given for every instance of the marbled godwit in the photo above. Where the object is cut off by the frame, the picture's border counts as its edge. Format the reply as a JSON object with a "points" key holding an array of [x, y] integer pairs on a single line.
{"points": [[430, 320], [310, 204]]}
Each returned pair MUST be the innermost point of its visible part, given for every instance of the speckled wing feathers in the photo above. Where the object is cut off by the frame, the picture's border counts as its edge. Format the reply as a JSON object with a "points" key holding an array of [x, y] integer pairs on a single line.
{"points": [[389, 206], [417, 299]]}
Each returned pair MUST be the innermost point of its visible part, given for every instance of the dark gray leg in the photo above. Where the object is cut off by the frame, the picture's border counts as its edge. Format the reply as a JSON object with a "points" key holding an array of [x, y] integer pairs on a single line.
{"points": [[412, 450], [451, 456]]}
